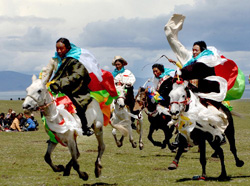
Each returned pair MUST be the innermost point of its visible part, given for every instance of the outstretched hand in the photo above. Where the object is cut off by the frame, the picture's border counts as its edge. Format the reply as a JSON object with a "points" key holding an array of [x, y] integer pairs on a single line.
{"points": [[172, 61]]}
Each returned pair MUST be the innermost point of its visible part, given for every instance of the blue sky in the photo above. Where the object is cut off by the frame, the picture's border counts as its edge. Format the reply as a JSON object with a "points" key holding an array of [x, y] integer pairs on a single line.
{"points": [[133, 29]]}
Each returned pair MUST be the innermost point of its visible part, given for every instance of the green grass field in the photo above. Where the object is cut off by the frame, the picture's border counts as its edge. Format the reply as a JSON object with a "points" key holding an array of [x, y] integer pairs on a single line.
{"points": [[22, 162]]}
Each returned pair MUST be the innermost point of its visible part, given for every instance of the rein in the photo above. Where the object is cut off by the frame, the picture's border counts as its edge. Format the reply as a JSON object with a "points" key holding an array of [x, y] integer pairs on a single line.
{"points": [[41, 108], [186, 102]]}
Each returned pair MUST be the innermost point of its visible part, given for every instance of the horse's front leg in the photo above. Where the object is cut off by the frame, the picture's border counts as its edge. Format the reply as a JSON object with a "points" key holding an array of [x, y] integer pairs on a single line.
{"points": [[203, 161], [70, 164], [141, 145], [47, 157], [133, 143], [75, 154], [98, 128], [219, 151], [150, 136], [182, 145], [119, 143]]}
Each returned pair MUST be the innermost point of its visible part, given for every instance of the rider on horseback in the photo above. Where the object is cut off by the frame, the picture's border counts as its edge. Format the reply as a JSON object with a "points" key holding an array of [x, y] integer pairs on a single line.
{"points": [[125, 77], [219, 78], [77, 73]]}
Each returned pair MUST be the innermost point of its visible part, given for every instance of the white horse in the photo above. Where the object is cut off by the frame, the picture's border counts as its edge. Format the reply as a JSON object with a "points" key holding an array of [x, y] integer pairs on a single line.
{"points": [[121, 120], [198, 124], [65, 126]]}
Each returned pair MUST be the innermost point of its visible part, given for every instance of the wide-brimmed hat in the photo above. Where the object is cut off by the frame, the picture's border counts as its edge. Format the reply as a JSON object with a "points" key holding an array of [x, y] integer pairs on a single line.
{"points": [[119, 58]]}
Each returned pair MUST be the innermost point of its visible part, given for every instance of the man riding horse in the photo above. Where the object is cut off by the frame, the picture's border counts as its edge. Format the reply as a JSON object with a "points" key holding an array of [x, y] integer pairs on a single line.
{"points": [[216, 76], [78, 75]]}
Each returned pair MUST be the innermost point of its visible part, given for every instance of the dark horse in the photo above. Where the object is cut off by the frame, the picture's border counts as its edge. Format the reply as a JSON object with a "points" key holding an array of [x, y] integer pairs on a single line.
{"points": [[157, 120], [198, 124]]}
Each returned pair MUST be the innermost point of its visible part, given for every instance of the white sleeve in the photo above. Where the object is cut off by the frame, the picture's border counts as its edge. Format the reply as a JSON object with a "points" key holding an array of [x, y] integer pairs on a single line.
{"points": [[49, 69], [171, 29], [131, 78]]}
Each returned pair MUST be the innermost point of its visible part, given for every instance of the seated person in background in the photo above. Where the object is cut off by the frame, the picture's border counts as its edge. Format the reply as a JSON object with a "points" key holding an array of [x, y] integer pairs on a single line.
{"points": [[11, 118], [22, 121], [35, 121], [3, 121], [15, 126], [8, 113], [30, 124]]}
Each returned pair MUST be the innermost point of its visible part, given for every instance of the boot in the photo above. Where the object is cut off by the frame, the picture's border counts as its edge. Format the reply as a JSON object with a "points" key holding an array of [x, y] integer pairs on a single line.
{"points": [[87, 131]]}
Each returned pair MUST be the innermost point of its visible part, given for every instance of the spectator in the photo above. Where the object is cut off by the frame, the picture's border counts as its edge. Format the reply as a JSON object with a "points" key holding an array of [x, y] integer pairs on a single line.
{"points": [[35, 121], [22, 121], [8, 113], [10, 117], [2, 121], [15, 126], [30, 124]]}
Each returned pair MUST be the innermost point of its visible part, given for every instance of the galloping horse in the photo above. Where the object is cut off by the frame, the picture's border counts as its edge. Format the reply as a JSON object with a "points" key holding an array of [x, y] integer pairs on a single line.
{"points": [[198, 123], [158, 120], [65, 126], [121, 120]]}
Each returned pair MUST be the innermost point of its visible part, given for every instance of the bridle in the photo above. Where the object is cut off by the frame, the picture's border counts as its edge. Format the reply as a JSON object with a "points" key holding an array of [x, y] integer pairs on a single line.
{"points": [[185, 103], [42, 107]]}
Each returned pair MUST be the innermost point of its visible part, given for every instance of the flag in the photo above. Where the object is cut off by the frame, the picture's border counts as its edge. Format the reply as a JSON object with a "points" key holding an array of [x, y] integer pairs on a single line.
{"points": [[234, 76]]}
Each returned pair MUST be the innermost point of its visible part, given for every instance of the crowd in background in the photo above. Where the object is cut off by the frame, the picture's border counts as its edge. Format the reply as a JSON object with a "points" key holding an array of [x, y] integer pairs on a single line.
{"points": [[11, 121]]}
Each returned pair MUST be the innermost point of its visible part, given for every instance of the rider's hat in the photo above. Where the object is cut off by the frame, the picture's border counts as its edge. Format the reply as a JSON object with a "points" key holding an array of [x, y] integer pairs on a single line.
{"points": [[119, 58]]}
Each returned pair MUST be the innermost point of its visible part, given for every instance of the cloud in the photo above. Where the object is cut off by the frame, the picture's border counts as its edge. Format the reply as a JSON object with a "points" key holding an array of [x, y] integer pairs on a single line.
{"points": [[212, 21], [132, 29]]}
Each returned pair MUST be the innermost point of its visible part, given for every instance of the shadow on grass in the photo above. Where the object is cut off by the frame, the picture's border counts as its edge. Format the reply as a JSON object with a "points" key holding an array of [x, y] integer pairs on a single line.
{"points": [[229, 178], [100, 183]]}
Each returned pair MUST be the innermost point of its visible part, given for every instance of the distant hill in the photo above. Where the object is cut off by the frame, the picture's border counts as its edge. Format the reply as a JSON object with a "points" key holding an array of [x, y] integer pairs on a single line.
{"points": [[14, 81]]}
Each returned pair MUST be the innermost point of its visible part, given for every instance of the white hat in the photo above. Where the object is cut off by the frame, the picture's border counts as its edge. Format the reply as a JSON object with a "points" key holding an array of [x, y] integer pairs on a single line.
{"points": [[119, 58]]}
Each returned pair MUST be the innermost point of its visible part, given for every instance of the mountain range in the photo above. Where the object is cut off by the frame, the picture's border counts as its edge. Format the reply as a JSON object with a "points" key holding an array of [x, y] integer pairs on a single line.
{"points": [[15, 81]]}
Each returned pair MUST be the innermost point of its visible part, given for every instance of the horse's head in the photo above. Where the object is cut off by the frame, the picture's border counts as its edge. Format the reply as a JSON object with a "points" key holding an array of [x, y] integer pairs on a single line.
{"points": [[140, 99], [36, 95], [178, 99], [120, 101]]}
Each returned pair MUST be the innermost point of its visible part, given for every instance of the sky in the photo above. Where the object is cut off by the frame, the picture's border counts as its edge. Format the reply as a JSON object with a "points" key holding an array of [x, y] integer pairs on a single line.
{"points": [[133, 29]]}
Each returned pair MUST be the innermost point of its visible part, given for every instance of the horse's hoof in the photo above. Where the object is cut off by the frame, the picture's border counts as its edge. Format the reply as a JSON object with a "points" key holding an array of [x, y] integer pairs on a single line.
{"points": [[66, 173], [173, 166], [119, 144], [215, 155], [84, 176], [134, 145], [223, 177], [59, 168], [239, 163], [163, 146], [98, 171], [141, 146]]}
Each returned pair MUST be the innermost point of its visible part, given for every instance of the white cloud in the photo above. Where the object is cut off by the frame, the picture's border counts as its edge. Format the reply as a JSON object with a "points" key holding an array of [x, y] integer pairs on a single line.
{"points": [[132, 29]]}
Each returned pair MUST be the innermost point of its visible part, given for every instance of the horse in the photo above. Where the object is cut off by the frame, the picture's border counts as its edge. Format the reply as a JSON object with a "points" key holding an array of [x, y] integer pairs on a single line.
{"points": [[65, 126], [198, 124], [121, 120], [158, 117]]}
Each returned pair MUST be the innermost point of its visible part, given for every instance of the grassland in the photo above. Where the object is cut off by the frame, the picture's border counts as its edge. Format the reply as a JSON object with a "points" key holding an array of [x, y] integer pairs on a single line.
{"points": [[22, 162]]}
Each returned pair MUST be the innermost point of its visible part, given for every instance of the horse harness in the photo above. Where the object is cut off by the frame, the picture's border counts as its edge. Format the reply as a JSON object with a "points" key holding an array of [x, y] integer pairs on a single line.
{"points": [[186, 102]]}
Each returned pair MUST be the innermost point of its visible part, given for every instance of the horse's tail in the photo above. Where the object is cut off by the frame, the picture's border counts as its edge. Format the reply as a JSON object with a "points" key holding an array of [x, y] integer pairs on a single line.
{"points": [[120, 127], [237, 114], [230, 133]]}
